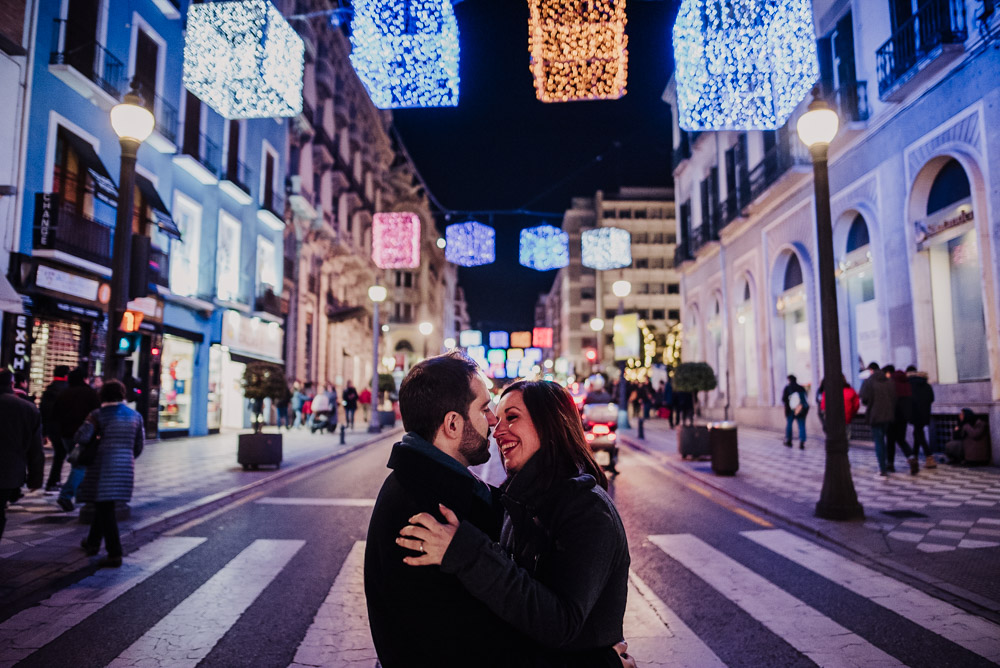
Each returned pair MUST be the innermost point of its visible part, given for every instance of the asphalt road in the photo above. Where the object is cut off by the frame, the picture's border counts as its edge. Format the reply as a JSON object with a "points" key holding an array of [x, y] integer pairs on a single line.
{"points": [[274, 580]]}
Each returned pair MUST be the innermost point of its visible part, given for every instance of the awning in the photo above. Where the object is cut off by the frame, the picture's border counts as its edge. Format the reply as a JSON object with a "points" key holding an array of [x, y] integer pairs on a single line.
{"points": [[160, 211], [10, 301], [104, 188]]}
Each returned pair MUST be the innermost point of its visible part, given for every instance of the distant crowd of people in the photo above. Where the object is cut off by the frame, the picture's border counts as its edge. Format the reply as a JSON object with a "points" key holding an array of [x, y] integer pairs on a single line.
{"points": [[317, 408]]}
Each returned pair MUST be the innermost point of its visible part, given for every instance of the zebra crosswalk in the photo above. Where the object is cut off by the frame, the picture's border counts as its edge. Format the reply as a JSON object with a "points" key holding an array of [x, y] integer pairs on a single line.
{"points": [[658, 635]]}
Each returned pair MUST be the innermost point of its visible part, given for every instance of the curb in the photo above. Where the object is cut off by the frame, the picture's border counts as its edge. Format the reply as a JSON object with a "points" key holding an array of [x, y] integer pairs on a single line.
{"points": [[964, 598]]}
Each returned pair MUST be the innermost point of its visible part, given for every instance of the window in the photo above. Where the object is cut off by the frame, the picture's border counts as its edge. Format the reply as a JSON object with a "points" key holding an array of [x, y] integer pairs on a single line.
{"points": [[642, 263], [609, 213], [671, 238], [657, 237], [268, 177], [82, 36], [146, 62], [793, 273], [609, 314], [267, 266], [404, 279], [673, 314], [641, 213], [227, 283], [673, 288], [625, 213], [184, 260], [658, 314], [234, 149], [586, 293], [640, 238], [584, 318], [656, 263], [857, 236], [643, 314], [656, 288]]}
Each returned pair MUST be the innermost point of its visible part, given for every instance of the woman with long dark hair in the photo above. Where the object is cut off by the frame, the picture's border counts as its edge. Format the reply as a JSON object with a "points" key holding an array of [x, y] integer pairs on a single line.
{"points": [[560, 572]]}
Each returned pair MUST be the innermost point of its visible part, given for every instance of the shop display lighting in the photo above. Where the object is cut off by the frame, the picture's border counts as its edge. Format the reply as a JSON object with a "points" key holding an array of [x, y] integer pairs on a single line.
{"points": [[243, 59], [543, 247], [470, 244], [606, 248], [396, 240], [743, 64]]}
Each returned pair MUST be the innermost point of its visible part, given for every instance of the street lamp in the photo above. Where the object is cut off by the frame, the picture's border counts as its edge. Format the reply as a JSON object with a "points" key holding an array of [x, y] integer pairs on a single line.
{"points": [[425, 328], [449, 343], [133, 123], [377, 293], [621, 289], [838, 500], [597, 326]]}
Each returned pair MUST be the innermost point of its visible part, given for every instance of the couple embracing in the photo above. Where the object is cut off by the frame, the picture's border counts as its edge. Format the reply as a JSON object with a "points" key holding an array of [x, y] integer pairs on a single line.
{"points": [[459, 573]]}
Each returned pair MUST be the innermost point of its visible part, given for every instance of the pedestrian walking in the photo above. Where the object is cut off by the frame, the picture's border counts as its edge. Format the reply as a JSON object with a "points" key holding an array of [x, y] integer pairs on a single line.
{"points": [[111, 476], [50, 425], [281, 406], [878, 394], [350, 404], [904, 413], [72, 407], [365, 399], [684, 407], [920, 415], [851, 405], [796, 403], [21, 456], [298, 402]]}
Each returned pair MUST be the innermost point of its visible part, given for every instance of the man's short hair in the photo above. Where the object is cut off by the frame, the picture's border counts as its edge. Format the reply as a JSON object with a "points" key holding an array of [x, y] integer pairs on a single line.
{"points": [[112, 390], [61, 371], [6, 379], [435, 387]]}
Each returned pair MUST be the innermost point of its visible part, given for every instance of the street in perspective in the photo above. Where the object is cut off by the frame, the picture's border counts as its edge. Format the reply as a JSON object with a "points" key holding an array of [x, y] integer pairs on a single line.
{"points": [[370, 333]]}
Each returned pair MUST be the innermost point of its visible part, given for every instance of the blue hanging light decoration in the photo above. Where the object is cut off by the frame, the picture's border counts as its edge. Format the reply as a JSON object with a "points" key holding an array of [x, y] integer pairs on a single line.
{"points": [[470, 244], [743, 64], [543, 247], [406, 52], [606, 248]]}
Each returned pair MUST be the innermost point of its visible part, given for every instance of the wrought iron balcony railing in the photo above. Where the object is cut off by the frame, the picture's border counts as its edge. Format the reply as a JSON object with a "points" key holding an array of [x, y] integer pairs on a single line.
{"points": [[778, 160], [268, 302], [936, 22], [205, 151], [852, 101], [91, 60], [78, 235], [239, 174]]}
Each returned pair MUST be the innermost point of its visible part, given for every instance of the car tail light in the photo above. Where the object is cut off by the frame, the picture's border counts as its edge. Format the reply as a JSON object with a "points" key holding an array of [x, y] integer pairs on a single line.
{"points": [[589, 436], [611, 437]]}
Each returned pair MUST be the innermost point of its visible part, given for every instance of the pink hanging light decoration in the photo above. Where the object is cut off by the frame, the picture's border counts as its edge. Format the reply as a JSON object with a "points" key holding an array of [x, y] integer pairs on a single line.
{"points": [[396, 240]]}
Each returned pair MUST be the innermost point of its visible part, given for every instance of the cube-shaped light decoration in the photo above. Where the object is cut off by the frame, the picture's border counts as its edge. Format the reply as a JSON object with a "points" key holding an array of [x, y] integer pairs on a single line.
{"points": [[496, 355], [543, 248], [533, 355], [499, 340], [243, 59], [606, 248], [470, 244], [396, 240], [541, 337], [743, 64], [406, 52], [578, 49], [468, 338], [513, 368], [515, 354], [520, 339]]}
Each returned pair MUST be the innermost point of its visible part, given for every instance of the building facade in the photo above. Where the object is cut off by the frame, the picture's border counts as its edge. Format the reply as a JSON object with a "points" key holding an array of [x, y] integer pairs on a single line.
{"points": [[209, 198], [914, 197]]}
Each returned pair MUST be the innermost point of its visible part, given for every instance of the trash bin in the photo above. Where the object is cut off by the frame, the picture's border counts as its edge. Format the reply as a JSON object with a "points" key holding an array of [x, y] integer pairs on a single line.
{"points": [[722, 444], [692, 441]]}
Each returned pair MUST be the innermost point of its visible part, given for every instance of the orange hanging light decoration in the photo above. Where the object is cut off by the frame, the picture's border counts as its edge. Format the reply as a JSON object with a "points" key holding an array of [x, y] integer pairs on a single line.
{"points": [[578, 49]]}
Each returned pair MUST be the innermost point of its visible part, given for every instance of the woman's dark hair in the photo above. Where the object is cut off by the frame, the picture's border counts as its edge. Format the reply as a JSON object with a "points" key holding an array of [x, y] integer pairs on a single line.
{"points": [[112, 390], [433, 388], [564, 451]]}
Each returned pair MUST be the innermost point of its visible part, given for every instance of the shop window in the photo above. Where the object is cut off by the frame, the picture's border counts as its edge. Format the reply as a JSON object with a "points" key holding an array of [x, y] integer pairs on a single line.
{"points": [[267, 266], [228, 258], [176, 382], [950, 185]]}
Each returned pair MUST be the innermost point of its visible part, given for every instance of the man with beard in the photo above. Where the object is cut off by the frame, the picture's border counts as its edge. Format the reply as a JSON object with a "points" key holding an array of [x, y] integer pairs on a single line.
{"points": [[422, 616]]}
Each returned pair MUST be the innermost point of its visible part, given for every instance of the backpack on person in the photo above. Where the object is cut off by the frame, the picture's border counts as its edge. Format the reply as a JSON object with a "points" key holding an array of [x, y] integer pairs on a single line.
{"points": [[797, 402]]}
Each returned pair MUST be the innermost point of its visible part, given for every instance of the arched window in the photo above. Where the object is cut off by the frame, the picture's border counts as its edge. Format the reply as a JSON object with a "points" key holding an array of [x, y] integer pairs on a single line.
{"points": [[746, 291], [793, 273], [857, 236], [404, 345], [745, 352], [950, 185]]}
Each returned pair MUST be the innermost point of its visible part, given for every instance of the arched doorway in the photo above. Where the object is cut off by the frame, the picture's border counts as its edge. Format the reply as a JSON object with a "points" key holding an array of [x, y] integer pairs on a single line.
{"points": [[745, 344], [791, 306], [858, 280], [948, 236]]}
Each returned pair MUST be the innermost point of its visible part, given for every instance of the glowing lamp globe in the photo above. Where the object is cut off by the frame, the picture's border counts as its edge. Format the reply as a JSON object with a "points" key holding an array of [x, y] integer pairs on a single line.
{"points": [[597, 324], [606, 248], [425, 328], [243, 59], [132, 121], [470, 244], [396, 240], [543, 248], [377, 293], [818, 126], [743, 64], [406, 52], [621, 289]]}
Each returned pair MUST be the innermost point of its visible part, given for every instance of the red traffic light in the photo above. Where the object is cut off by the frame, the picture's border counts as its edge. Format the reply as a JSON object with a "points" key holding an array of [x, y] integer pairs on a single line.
{"points": [[590, 354]]}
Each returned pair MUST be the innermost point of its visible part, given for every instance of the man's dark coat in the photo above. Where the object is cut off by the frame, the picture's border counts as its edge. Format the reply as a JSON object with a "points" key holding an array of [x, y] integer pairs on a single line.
{"points": [[21, 455]]}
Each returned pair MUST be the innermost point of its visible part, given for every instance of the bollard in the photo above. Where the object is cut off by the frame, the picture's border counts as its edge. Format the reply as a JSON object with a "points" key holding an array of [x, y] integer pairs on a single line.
{"points": [[642, 432], [343, 431]]}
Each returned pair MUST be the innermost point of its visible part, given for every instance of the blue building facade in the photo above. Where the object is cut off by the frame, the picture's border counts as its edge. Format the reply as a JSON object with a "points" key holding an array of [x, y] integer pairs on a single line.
{"points": [[209, 194]]}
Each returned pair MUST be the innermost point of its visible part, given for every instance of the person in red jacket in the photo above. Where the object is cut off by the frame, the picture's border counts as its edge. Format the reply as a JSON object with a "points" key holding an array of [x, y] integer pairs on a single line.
{"points": [[851, 405]]}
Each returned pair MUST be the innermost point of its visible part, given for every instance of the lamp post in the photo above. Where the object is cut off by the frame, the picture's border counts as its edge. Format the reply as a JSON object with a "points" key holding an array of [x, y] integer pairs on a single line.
{"points": [[377, 293], [597, 326], [622, 289], [133, 123], [426, 329], [838, 500]]}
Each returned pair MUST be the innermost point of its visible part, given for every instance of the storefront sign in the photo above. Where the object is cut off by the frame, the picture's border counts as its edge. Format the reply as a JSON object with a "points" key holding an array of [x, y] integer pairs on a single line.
{"points": [[66, 283], [626, 336], [150, 307], [19, 332], [46, 219], [251, 336], [946, 220]]}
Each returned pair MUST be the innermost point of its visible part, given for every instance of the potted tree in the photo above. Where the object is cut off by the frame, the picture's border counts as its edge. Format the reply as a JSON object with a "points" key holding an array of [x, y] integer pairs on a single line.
{"points": [[693, 377], [386, 387], [261, 380]]}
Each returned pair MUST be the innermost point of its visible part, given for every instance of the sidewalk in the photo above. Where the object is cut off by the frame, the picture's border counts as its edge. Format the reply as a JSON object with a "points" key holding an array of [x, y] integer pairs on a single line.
{"points": [[172, 478], [941, 526]]}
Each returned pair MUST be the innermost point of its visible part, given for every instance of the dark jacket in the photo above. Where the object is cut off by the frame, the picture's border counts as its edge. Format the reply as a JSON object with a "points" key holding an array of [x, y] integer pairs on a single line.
{"points": [[420, 616], [47, 406], [111, 476], [566, 585], [923, 397], [904, 398], [350, 399], [878, 393], [795, 388], [73, 406], [21, 455]]}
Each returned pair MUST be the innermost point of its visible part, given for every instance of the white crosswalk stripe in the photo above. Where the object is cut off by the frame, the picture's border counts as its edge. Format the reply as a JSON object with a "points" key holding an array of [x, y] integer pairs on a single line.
{"points": [[189, 632], [971, 632], [35, 627], [339, 634], [815, 635]]}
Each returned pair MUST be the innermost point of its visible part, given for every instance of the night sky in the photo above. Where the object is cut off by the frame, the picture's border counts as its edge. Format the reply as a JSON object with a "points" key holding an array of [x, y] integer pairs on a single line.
{"points": [[503, 149]]}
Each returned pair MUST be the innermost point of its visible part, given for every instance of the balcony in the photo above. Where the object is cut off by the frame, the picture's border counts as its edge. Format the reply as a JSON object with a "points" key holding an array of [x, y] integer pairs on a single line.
{"points": [[921, 46], [301, 199], [339, 311], [851, 100], [200, 158], [89, 69], [164, 137], [268, 302], [681, 253], [775, 163], [76, 235], [304, 123], [272, 210], [235, 182]]}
